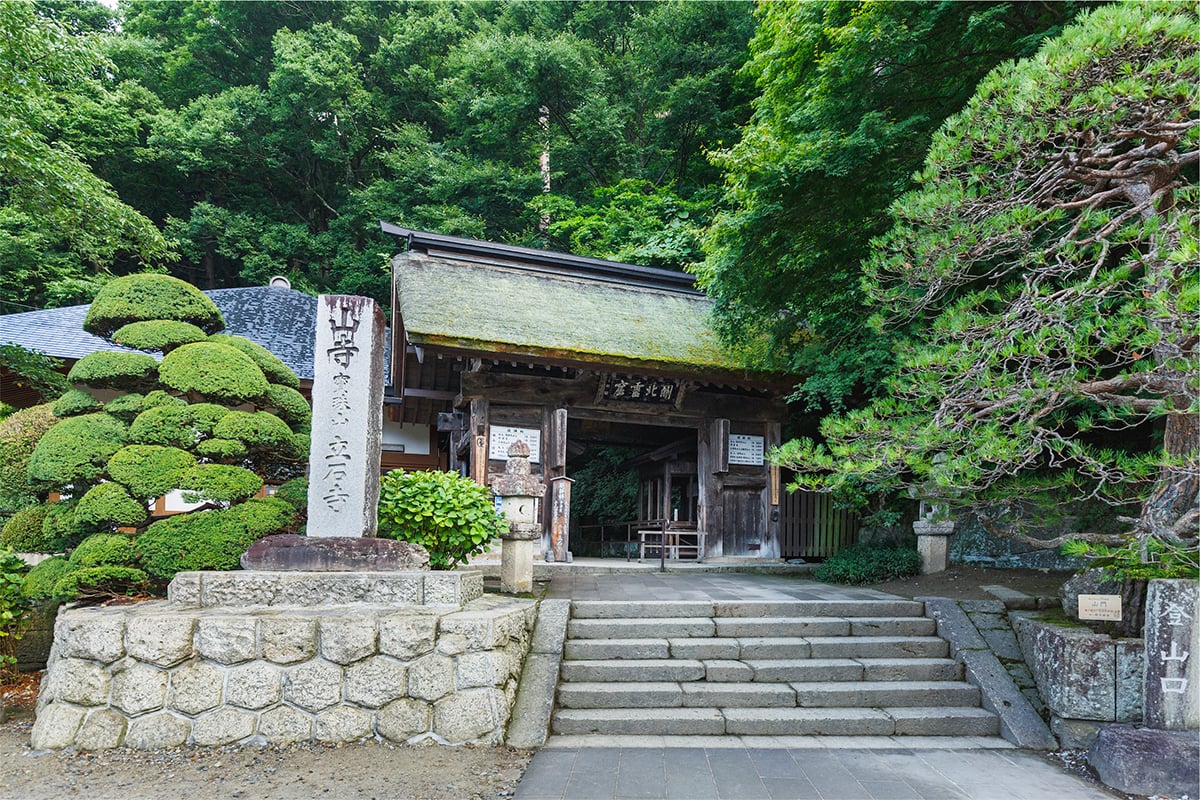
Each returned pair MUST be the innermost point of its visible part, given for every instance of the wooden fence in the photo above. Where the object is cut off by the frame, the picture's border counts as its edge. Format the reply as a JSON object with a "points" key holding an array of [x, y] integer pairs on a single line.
{"points": [[810, 527]]}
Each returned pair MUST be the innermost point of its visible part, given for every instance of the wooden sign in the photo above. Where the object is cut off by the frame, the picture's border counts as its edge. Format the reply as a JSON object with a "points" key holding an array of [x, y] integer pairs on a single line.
{"points": [[659, 391], [1100, 606], [500, 438], [746, 450]]}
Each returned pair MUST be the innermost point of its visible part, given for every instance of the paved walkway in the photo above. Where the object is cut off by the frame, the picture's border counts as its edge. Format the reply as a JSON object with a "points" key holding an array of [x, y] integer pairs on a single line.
{"points": [[775, 768]]}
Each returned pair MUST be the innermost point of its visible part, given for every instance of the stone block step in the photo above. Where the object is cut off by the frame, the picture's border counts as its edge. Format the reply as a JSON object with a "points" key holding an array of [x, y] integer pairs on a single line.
{"points": [[878, 694], [911, 669], [808, 721], [789, 670], [738, 695], [660, 694], [893, 626], [637, 671], [705, 648], [604, 649], [782, 626], [633, 609], [641, 628], [772, 647], [820, 608], [639, 721], [944, 721], [878, 647]]}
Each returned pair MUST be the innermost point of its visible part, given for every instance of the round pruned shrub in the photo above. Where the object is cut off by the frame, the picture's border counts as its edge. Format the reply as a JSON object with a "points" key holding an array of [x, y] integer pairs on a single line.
{"points": [[23, 531], [109, 506], [258, 430], [158, 398], [19, 435], [294, 493], [39, 582], [274, 369], [263, 516], [219, 483], [206, 416], [289, 404], [870, 563], [139, 298], [450, 516], [75, 402], [104, 549], [61, 530], [165, 425], [217, 372], [161, 335], [126, 407], [197, 541], [149, 471], [221, 449], [76, 449], [109, 370], [105, 581]]}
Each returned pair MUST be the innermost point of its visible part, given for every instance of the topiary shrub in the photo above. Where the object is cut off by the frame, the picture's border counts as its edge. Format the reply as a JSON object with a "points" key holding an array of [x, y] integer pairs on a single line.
{"points": [[23, 531], [274, 369], [870, 563], [104, 549], [164, 425], [259, 430], [107, 506], [206, 416], [60, 530], [19, 435], [450, 516], [217, 372], [74, 403], [262, 516], [75, 450], [100, 582], [294, 493], [126, 407], [289, 404], [148, 471], [219, 483], [160, 398], [109, 370], [221, 449], [196, 541], [39, 582], [159, 334], [138, 298]]}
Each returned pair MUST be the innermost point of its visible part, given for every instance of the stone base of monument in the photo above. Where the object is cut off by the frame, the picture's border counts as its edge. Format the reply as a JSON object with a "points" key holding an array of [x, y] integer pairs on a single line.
{"points": [[933, 543], [1145, 761], [287, 551], [282, 657]]}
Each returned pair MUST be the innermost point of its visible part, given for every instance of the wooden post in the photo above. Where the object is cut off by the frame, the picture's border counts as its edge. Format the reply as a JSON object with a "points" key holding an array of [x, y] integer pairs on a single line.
{"points": [[560, 517], [477, 429]]}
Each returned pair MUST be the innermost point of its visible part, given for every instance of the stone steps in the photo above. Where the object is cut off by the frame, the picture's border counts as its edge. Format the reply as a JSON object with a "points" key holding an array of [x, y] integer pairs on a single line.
{"points": [[791, 668]]}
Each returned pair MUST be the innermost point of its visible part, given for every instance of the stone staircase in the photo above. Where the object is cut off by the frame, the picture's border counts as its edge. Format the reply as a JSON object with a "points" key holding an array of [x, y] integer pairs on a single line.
{"points": [[838, 668]]}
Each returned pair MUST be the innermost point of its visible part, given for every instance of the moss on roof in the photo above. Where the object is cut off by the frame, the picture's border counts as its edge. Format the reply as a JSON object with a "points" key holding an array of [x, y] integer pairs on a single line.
{"points": [[454, 303]]}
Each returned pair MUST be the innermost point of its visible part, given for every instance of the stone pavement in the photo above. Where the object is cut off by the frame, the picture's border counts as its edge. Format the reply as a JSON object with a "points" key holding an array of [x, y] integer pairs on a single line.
{"points": [[797, 768]]}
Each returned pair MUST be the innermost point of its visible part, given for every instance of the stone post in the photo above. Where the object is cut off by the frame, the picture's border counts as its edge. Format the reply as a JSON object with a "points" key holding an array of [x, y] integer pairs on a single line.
{"points": [[347, 420], [518, 492], [1172, 668], [933, 540]]}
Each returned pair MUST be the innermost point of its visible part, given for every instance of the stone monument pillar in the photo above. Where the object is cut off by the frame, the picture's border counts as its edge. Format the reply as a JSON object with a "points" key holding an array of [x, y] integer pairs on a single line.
{"points": [[518, 492], [1172, 670], [933, 540], [560, 517], [347, 421]]}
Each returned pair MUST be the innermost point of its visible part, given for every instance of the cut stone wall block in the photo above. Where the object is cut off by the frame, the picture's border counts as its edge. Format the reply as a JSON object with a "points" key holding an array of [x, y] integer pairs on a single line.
{"points": [[551, 627], [229, 640], [82, 682], [314, 686], [375, 682], [468, 716], [138, 689], [473, 670], [401, 720], [56, 726], [104, 729], [196, 687], [342, 724], [184, 589], [161, 639], [239, 589], [95, 636], [347, 638], [480, 628], [451, 644], [223, 726], [254, 686], [431, 677], [407, 636], [288, 639], [157, 731], [285, 725]]}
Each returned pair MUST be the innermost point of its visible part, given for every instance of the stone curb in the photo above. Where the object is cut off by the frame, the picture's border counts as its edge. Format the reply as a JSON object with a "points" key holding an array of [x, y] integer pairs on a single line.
{"points": [[529, 724], [1019, 722]]}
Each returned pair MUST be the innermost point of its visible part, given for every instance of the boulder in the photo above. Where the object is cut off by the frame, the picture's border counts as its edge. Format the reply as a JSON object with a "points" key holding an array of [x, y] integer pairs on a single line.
{"points": [[289, 552], [1089, 581], [1144, 761]]}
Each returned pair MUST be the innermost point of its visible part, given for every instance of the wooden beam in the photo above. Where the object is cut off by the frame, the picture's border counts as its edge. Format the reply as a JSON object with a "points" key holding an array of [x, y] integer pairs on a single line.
{"points": [[478, 431]]}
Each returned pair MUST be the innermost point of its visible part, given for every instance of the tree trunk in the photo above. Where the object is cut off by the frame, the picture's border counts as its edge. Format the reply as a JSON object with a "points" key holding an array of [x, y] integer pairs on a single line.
{"points": [[1170, 511]]}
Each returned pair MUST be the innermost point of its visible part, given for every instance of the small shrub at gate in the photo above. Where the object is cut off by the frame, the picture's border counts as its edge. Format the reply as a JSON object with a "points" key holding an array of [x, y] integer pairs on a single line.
{"points": [[866, 563], [447, 514]]}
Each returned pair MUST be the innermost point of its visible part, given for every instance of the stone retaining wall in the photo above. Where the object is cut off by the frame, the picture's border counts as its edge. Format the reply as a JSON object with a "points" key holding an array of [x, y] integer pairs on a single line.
{"points": [[164, 674]]}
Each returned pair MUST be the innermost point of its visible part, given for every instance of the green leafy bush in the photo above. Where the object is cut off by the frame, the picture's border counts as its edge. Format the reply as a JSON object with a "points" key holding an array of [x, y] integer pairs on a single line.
{"points": [[149, 471], [74, 403], [158, 398], [38, 584], [206, 417], [197, 541], [104, 581], [274, 369], [103, 550], [76, 449], [294, 493], [263, 516], [869, 563], [110, 370], [221, 449], [107, 506], [60, 530], [449, 515], [23, 531], [289, 404], [258, 430], [158, 334], [219, 483], [217, 372], [14, 607], [1138, 560], [165, 425], [138, 298], [126, 407], [19, 435]]}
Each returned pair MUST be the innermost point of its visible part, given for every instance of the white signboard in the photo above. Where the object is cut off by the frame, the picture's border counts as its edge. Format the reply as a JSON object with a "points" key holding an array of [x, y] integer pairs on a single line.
{"points": [[1100, 606], [501, 437], [746, 450]]}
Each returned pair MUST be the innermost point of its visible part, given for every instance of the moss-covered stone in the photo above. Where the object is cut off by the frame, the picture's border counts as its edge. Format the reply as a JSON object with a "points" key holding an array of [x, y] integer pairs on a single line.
{"points": [[159, 334], [221, 449], [275, 370], [75, 402], [259, 430], [104, 549], [139, 298], [108, 505], [108, 370], [221, 483], [289, 404], [76, 449], [23, 531], [39, 581], [150, 471], [217, 372]]}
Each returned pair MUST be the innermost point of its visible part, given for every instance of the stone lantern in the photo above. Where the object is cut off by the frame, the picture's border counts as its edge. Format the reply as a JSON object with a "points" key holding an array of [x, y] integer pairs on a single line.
{"points": [[933, 538], [518, 493]]}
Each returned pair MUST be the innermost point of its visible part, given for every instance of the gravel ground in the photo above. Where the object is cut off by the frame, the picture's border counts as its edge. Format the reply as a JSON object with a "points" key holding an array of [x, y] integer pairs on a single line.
{"points": [[342, 772]]}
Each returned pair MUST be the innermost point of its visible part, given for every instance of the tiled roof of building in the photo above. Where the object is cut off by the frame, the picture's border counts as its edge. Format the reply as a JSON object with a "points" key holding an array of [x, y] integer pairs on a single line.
{"points": [[281, 320]]}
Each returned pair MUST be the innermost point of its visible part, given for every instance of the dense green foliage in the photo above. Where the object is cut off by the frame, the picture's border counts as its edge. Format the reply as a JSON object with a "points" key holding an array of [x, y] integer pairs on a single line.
{"points": [[37, 371], [150, 298], [108, 506], [1046, 268], [197, 541], [160, 335], [272, 368], [38, 585], [19, 435], [150, 471], [75, 402], [23, 531], [15, 608], [75, 450], [217, 372], [108, 370], [450, 516], [870, 563]]}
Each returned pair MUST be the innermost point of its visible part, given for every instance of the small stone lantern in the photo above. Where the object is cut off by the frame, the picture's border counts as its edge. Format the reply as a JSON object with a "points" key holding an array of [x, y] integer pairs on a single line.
{"points": [[518, 493], [933, 539]]}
